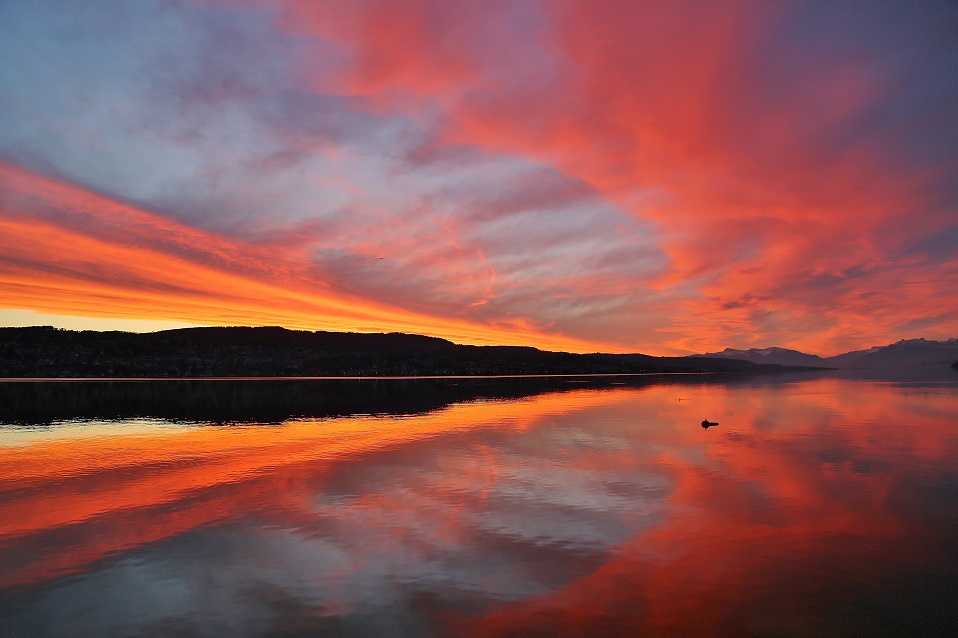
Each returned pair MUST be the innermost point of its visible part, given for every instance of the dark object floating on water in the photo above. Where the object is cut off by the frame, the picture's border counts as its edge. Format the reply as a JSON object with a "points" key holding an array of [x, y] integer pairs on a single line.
{"points": [[707, 424]]}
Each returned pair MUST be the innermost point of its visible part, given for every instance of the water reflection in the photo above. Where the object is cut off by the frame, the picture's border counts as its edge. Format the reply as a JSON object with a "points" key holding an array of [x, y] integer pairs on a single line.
{"points": [[276, 401], [821, 506]]}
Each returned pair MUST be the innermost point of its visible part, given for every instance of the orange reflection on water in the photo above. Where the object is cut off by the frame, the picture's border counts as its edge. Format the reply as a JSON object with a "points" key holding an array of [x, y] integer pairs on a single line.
{"points": [[579, 513], [172, 480]]}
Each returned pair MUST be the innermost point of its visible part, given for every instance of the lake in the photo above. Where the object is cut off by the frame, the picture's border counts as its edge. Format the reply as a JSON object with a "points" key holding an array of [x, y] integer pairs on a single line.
{"points": [[821, 505]]}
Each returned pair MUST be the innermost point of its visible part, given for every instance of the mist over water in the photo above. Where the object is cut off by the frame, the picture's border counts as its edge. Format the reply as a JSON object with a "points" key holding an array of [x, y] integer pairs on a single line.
{"points": [[820, 505]]}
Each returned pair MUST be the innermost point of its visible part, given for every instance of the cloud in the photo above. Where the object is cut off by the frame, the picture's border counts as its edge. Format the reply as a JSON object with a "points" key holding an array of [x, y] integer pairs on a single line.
{"points": [[595, 169], [767, 162], [93, 256]]}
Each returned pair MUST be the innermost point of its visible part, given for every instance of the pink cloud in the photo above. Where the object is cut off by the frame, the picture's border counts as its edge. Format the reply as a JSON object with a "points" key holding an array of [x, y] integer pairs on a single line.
{"points": [[773, 172]]}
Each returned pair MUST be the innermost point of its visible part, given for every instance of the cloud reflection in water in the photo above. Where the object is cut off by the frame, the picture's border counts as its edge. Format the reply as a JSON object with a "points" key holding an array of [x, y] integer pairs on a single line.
{"points": [[574, 512]]}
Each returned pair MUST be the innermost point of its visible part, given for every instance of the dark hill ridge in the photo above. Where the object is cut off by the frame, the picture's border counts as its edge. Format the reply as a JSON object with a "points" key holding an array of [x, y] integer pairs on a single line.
{"points": [[907, 352], [271, 351]]}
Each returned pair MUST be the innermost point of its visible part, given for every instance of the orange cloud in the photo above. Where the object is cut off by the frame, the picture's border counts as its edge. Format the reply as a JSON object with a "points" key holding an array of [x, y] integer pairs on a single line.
{"points": [[66, 250]]}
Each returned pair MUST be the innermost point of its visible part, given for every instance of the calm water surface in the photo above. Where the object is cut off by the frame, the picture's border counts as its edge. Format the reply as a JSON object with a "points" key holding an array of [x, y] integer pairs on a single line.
{"points": [[820, 506]]}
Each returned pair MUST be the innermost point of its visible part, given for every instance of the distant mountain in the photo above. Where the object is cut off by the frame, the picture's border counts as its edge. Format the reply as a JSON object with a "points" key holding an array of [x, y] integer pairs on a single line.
{"points": [[779, 356], [907, 352], [270, 351]]}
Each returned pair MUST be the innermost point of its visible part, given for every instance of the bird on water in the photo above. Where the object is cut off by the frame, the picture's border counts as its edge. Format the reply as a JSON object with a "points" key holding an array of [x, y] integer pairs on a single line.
{"points": [[707, 424]]}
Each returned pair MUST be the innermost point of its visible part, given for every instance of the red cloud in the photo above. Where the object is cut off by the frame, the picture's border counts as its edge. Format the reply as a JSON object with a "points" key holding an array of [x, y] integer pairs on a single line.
{"points": [[773, 157]]}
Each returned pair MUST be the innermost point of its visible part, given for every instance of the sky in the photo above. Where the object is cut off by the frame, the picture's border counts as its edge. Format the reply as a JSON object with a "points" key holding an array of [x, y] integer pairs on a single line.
{"points": [[667, 178]]}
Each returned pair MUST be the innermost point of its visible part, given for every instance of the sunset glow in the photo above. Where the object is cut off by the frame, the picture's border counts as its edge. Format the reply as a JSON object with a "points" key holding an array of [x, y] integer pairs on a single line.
{"points": [[666, 178]]}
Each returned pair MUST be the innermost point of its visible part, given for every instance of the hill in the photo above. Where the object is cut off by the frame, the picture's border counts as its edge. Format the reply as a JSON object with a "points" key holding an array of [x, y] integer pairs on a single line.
{"points": [[272, 351]]}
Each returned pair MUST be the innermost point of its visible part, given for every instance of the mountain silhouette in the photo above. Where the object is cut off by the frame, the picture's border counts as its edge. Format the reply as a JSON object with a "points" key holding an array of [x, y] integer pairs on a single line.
{"points": [[272, 351], [907, 352]]}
